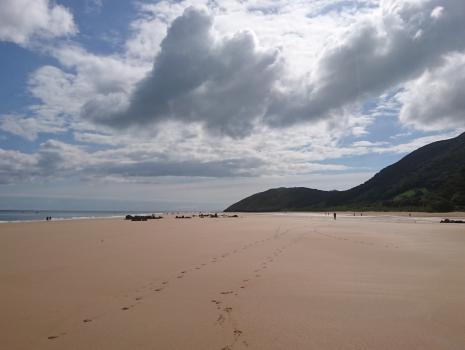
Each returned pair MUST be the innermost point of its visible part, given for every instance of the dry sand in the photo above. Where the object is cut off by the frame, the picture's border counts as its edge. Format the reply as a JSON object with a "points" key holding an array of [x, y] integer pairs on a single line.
{"points": [[255, 282]]}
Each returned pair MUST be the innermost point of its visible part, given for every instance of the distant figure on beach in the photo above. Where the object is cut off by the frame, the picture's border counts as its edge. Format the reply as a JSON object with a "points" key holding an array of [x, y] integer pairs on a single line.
{"points": [[334, 216]]}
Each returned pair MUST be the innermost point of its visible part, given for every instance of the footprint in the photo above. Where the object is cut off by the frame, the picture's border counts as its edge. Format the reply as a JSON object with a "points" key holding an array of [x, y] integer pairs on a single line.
{"points": [[125, 308], [86, 320], [52, 337], [138, 298], [237, 332], [220, 320]]}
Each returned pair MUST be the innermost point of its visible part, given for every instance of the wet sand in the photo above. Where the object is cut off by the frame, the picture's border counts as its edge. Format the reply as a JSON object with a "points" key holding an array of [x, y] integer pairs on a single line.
{"points": [[260, 281]]}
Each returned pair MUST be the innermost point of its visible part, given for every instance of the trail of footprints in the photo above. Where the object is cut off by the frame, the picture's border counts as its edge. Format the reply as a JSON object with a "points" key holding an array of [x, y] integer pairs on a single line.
{"points": [[155, 287], [226, 312], [222, 302]]}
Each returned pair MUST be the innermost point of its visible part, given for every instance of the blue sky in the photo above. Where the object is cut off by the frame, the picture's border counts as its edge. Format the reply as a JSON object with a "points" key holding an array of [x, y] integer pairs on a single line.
{"points": [[196, 104]]}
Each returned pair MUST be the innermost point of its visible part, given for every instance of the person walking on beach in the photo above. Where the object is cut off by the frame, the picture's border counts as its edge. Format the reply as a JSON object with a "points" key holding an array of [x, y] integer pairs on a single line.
{"points": [[334, 216]]}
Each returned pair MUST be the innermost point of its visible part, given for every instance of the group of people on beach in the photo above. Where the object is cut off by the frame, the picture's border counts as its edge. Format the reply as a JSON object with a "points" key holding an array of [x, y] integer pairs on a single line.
{"points": [[48, 218], [335, 215]]}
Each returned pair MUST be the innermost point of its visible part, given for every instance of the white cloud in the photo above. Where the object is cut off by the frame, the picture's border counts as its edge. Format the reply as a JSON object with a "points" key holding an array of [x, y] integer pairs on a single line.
{"points": [[332, 55], [93, 6], [437, 12], [409, 146], [436, 100], [94, 138], [380, 51], [15, 167], [28, 127], [222, 82], [61, 94], [23, 20], [364, 143], [175, 153], [287, 88]]}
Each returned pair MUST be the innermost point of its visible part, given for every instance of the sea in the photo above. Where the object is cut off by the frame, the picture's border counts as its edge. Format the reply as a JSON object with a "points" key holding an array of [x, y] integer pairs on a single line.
{"points": [[40, 215]]}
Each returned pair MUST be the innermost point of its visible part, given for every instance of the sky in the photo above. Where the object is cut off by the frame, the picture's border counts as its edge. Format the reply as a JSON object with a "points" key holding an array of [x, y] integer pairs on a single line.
{"points": [[196, 104]]}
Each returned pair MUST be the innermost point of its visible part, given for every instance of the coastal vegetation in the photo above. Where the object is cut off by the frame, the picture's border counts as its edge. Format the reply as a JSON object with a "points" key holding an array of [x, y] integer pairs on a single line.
{"points": [[430, 179]]}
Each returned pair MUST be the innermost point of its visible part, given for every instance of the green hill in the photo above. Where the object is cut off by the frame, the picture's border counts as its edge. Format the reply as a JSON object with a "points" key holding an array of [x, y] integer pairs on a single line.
{"points": [[432, 178]]}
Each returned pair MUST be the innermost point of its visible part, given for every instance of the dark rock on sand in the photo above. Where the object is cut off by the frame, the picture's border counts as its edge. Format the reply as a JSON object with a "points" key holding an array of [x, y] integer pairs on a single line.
{"points": [[449, 221]]}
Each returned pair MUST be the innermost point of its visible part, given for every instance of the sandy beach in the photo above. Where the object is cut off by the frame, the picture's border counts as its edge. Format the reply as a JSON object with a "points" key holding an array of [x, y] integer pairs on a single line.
{"points": [[260, 281]]}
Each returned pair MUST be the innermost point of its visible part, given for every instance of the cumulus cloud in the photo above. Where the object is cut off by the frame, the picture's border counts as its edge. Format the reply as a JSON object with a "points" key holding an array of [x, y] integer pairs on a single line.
{"points": [[436, 100], [221, 82], [173, 155], [27, 127], [202, 75], [15, 166], [59, 160], [230, 83], [23, 20], [56, 159], [53, 160], [61, 93], [378, 53]]}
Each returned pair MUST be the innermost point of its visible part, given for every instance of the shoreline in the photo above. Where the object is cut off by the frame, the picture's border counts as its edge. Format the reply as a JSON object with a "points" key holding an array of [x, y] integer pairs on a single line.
{"points": [[341, 214], [62, 219]]}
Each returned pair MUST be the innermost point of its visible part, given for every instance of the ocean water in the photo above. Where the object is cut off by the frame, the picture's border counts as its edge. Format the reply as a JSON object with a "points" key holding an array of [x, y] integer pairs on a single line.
{"points": [[40, 215]]}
